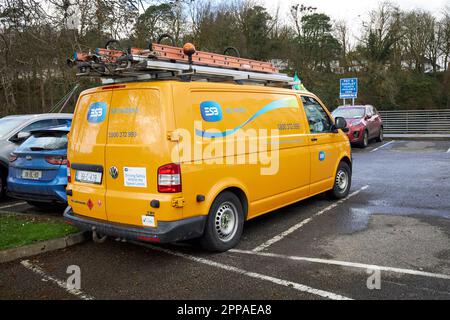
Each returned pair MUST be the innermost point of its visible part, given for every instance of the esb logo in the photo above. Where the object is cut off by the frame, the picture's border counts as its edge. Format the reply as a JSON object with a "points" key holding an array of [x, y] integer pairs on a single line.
{"points": [[211, 111], [97, 112]]}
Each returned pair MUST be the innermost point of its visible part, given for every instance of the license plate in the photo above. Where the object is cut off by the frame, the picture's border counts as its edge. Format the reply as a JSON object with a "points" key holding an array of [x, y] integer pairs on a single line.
{"points": [[88, 177], [31, 174]]}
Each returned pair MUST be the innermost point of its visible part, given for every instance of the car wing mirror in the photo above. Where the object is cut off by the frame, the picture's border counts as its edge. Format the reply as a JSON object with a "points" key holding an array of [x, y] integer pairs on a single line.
{"points": [[340, 123]]}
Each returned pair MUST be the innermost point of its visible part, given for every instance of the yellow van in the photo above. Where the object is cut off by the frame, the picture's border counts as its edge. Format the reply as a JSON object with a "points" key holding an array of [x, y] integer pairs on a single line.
{"points": [[165, 161]]}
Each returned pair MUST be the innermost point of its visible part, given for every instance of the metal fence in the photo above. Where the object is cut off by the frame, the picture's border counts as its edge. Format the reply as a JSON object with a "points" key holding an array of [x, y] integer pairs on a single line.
{"points": [[416, 121]]}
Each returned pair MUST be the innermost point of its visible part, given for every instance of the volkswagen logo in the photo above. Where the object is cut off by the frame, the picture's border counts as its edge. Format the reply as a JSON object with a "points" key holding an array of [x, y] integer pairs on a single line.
{"points": [[114, 172]]}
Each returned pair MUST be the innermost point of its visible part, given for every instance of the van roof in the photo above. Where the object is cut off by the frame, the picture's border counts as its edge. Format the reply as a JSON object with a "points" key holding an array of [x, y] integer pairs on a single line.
{"points": [[196, 84]]}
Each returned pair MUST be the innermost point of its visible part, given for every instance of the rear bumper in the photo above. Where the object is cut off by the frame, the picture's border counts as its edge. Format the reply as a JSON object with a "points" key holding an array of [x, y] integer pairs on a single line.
{"points": [[167, 231], [43, 191]]}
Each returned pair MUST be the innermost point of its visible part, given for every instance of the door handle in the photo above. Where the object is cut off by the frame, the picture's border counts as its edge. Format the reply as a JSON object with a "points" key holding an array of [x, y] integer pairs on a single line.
{"points": [[313, 139]]}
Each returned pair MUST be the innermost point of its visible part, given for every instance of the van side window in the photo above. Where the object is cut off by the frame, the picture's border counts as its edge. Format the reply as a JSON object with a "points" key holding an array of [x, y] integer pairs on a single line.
{"points": [[318, 119]]}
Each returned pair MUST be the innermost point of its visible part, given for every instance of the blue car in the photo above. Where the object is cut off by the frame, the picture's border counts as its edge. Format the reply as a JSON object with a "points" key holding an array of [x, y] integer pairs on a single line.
{"points": [[38, 168]]}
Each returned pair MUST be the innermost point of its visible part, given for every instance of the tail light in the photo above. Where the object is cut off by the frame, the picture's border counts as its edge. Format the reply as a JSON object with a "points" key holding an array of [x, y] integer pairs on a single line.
{"points": [[69, 177], [12, 157], [56, 160], [169, 178]]}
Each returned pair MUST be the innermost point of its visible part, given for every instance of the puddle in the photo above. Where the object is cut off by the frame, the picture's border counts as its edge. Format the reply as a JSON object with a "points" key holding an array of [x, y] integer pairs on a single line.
{"points": [[417, 146], [396, 241]]}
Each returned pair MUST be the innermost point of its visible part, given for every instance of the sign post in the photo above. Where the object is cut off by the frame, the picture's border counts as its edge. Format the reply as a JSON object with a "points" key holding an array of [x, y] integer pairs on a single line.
{"points": [[348, 89]]}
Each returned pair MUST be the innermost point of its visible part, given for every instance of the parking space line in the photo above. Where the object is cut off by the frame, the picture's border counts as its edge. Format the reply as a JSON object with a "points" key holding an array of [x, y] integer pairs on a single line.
{"points": [[285, 283], [448, 151], [384, 145], [302, 223], [13, 205], [36, 269], [346, 264]]}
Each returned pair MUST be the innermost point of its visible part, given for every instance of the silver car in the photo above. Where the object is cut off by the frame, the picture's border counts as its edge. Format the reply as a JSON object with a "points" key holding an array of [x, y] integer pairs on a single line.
{"points": [[15, 129]]}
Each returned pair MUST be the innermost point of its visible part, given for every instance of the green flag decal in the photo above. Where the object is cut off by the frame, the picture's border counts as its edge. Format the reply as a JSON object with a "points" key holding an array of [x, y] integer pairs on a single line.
{"points": [[300, 86]]}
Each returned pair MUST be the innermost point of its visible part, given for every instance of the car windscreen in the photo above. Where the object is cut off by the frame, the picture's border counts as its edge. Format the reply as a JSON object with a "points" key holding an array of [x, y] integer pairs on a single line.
{"points": [[9, 124], [40, 141], [349, 113]]}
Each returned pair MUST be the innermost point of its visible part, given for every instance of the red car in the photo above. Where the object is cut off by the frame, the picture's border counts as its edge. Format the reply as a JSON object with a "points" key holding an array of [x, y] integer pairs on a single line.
{"points": [[363, 123]]}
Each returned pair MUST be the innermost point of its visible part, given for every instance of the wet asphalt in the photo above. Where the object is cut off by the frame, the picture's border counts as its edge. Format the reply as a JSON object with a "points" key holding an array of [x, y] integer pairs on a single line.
{"points": [[401, 220]]}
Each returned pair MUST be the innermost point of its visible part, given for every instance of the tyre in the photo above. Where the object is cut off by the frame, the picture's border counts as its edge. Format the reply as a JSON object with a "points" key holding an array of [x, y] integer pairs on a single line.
{"points": [[2, 185], [365, 140], [48, 206], [380, 137], [342, 182], [225, 223]]}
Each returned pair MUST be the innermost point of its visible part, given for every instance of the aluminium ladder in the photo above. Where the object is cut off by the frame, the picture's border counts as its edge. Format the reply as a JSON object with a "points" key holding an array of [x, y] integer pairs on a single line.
{"points": [[168, 62]]}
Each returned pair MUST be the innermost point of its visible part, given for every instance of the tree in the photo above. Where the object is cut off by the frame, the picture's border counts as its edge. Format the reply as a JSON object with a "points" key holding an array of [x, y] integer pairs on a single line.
{"points": [[445, 38], [381, 34], [155, 21], [256, 25], [419, 26], [342, 35]]}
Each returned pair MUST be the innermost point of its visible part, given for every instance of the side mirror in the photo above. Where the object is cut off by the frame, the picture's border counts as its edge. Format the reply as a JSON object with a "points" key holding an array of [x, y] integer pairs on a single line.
{"points": [[340, 123], [21, 137], [368, 116]]}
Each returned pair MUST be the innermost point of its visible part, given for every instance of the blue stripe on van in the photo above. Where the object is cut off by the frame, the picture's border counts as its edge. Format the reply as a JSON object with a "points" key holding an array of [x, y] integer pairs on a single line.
{"points": [[278, 104]]}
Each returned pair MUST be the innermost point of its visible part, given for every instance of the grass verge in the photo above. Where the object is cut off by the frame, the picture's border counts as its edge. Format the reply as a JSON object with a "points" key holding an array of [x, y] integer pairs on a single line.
{"points": [[16, 231]]}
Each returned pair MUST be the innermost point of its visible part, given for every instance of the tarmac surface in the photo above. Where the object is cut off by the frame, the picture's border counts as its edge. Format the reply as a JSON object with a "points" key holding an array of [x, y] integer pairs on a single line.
{"points": [[390, 239]]}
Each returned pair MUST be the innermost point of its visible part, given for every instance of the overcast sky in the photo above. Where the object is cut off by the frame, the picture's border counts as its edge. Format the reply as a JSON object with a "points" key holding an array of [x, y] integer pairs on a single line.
{"points": [[354, 11]]}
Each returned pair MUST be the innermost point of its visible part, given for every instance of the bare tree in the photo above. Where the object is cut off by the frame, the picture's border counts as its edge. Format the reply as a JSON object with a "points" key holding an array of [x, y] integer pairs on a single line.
{"points": [[341, 32]]}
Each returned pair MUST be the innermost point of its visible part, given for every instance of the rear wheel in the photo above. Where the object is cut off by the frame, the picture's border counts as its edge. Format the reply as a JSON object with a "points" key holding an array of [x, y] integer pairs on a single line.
{"points": [[380, 137], [365, 140], [225, 223], [48, 206], [2, 184], [342, 182]]}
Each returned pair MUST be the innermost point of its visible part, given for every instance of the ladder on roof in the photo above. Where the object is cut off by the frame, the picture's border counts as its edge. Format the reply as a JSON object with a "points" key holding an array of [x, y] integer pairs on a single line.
{"points": [[168, 62]]}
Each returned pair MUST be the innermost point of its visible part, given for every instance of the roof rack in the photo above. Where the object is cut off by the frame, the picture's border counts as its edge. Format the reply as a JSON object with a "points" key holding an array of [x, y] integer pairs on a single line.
{"points": [[168, 62]]}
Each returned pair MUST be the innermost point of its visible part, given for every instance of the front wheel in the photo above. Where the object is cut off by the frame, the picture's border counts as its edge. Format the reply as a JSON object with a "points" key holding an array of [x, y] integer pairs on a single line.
{"points": [[225, 223], [342, 182]]}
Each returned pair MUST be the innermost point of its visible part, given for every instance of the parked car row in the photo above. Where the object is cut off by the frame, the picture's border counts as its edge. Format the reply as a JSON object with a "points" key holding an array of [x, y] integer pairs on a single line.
{"points": [[33, 158]]}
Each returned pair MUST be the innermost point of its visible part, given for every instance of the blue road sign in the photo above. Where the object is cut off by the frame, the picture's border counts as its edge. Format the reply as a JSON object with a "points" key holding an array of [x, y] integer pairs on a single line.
{"points": [[348, 88]]}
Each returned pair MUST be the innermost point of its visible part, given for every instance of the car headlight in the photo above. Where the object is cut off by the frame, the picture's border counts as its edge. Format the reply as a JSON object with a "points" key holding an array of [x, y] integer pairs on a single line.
{"points": [[356, 123]]}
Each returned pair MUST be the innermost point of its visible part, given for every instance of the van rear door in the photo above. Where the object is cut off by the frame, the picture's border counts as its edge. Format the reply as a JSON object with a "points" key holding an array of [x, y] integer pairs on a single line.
{"points": [[86, 153], [137, 146]]}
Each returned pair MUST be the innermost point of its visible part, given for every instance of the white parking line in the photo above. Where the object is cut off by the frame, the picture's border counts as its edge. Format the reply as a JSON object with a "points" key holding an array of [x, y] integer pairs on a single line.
{"points": [[13, 205], [36, 269], [346, 264], [384, 145], [281, 282], [302, 223], [448, 151]]}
